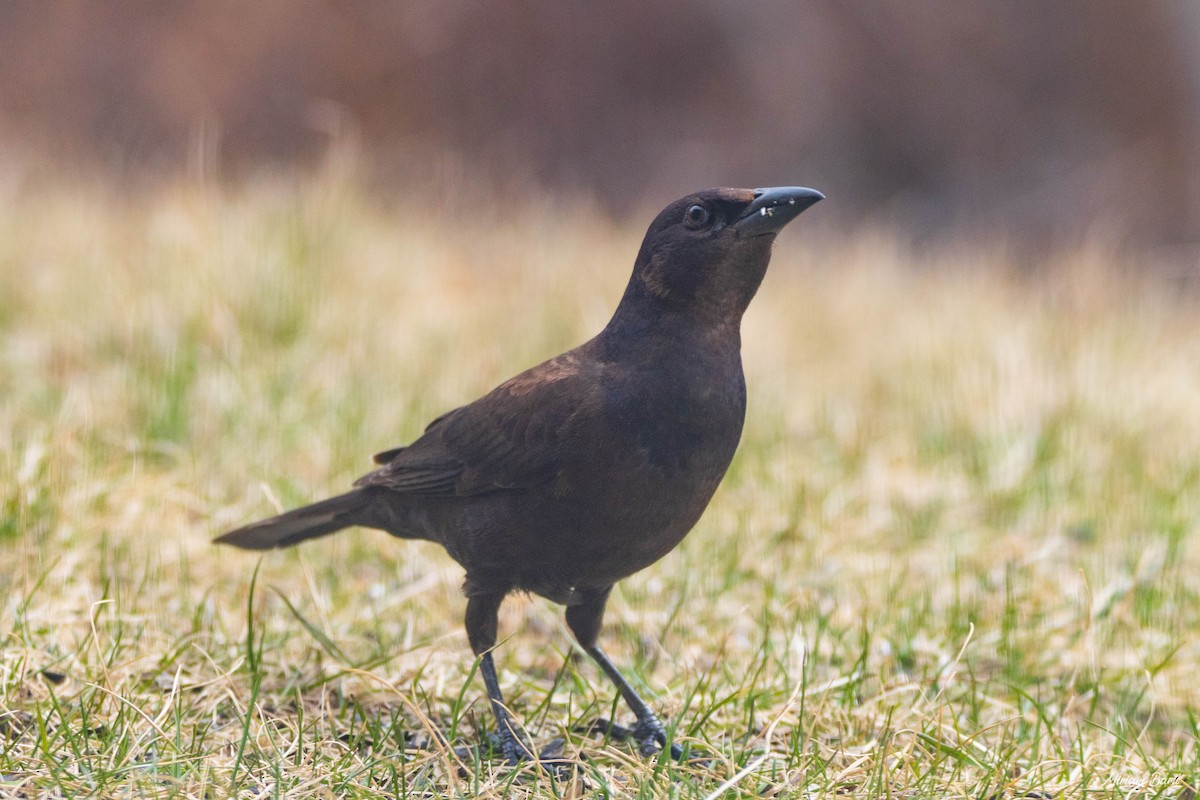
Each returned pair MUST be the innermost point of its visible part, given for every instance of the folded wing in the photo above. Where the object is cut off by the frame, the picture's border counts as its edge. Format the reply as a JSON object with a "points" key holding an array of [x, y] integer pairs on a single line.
{"points": [[517, 436]]}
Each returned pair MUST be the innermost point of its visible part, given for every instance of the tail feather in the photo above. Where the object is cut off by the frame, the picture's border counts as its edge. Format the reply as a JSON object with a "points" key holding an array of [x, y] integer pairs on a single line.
{"points": [[309, 522]]}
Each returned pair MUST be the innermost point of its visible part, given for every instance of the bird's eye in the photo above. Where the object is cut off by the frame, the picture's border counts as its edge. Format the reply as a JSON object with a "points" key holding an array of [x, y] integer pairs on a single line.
{"points": [[697, 216]]}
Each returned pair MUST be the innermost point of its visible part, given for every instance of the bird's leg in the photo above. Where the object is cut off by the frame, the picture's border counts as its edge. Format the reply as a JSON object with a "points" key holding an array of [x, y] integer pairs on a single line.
{"points": [[481, 620], [649, 731], [512, 741], [584, 620]]}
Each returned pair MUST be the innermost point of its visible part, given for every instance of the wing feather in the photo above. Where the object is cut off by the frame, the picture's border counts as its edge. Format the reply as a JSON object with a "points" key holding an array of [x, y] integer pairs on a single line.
{"points": [[516, 436]]}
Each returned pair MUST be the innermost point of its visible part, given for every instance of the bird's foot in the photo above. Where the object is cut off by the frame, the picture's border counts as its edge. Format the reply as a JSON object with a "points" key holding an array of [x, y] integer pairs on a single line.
{"points": [[516, 748], [553, 756], [511, 743], [648, 732]]}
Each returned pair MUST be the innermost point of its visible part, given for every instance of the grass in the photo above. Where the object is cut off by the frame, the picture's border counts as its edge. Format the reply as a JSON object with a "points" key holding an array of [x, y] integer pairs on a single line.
{"points": [[955, 556]]}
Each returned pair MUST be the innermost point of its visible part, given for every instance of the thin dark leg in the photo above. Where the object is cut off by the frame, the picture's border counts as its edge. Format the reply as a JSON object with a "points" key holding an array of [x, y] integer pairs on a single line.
{"points": [[584, 619], [649, 730], [513, 742], [482, 610]]}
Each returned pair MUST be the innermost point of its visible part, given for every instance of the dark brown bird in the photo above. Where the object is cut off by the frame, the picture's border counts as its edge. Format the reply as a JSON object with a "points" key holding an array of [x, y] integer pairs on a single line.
{"points": [[595, 464]]}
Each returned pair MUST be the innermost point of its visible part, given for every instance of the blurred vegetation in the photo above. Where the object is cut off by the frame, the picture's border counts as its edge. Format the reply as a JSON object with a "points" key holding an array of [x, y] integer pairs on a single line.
{"points": [[1047, 122]]}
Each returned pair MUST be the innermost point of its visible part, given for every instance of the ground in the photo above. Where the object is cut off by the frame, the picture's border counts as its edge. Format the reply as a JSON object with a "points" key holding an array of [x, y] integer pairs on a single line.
{"points": [[954, 557]]}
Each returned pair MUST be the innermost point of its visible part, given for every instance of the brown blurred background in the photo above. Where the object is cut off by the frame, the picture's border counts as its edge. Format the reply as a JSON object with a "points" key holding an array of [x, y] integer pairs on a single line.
{"points": [[1043, 121]]}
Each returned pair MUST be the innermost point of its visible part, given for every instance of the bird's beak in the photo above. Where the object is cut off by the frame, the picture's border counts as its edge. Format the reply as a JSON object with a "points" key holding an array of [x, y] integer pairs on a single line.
{"points": [[773, 208]]}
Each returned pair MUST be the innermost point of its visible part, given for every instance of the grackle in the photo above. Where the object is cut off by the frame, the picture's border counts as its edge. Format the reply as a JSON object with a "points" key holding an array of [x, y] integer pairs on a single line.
{"points": [[595, 464]]}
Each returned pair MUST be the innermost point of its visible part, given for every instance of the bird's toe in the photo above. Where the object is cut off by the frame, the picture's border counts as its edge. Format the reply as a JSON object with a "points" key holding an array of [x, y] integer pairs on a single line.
{"points": [[652, 737], [514, 747], [649, 733]]}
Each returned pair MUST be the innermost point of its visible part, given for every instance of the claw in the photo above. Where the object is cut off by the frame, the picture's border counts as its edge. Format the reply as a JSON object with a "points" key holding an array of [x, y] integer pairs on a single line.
{"points": [[514, 746], [648, 732], [652, 737], [515, 749]]}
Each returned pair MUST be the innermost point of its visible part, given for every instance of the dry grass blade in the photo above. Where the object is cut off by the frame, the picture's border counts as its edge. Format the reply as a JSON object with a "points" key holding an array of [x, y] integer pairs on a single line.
{"points": [[954, 556]]}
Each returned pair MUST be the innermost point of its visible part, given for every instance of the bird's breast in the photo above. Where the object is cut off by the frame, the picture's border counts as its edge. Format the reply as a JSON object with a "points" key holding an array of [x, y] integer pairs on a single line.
{"points": [[681, 420]]}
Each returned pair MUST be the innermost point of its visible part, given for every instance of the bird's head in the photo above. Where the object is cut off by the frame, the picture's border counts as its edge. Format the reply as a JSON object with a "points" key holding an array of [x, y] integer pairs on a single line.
{"points": [[708, 252]]}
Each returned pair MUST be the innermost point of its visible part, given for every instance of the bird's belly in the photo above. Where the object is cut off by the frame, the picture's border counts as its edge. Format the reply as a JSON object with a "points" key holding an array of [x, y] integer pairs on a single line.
{"points": [[631, 521]]}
